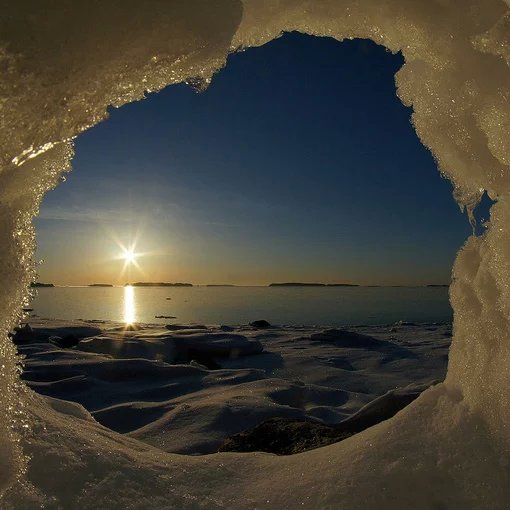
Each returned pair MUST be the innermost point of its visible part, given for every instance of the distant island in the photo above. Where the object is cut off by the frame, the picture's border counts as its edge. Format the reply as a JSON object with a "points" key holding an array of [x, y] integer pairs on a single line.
{"points": [[438, 285], [100, 285], [39, 284], [299, 284], [159, 284]]}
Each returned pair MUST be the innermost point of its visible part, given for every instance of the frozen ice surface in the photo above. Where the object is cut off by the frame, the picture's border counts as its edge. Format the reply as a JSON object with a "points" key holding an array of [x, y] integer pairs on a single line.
{"points": [[145, 384], [60, 69]]}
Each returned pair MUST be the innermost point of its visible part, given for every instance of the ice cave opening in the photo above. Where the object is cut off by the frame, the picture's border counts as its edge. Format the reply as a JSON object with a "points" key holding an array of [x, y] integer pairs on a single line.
{"points": [[298, 129], [450, 448]]}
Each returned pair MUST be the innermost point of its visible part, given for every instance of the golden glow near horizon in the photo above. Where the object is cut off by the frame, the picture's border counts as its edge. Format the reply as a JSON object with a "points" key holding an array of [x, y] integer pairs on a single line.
{"points": [[129, 305]]}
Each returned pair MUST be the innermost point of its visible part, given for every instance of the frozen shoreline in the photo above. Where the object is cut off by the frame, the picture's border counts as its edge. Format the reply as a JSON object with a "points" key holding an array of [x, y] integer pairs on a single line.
{"points": [[76, 462], [188, 390]]}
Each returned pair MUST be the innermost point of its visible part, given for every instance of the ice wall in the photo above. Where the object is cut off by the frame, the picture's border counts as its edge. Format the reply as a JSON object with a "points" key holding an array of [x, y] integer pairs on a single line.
{"points": [[62, 63], [457, 79]]}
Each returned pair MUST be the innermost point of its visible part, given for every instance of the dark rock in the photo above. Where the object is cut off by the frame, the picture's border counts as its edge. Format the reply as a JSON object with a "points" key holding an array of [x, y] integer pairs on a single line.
{"points": [[260, 324], [284, 436]]}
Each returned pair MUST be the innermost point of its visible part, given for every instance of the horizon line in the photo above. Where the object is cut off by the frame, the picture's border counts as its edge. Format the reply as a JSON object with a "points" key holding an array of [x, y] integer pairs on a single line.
{"points": [[271, 284]]}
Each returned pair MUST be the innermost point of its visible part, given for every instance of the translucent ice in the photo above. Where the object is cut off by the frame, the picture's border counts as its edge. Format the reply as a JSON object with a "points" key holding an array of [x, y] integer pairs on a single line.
{"points": [[61, 67]]}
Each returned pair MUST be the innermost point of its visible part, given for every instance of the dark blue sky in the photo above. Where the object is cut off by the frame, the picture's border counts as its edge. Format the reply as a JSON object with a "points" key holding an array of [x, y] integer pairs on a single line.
{"points": [[298, 163]]}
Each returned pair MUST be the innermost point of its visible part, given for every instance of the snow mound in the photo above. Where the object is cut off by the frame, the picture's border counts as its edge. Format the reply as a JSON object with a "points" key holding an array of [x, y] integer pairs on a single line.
{"points": [[181, 347]]}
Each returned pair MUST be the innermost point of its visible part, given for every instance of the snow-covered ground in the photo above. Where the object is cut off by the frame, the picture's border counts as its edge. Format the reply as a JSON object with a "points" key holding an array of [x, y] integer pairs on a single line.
{"points": [[113, 416], [154, 384]]}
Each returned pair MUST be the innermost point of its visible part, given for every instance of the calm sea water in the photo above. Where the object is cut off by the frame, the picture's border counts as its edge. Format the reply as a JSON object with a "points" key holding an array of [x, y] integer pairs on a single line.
{"points": [[331, 306]]}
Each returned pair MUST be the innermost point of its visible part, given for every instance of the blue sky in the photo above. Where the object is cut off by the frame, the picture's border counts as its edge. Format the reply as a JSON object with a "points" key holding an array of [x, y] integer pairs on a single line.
{"points": [[298, 163]]}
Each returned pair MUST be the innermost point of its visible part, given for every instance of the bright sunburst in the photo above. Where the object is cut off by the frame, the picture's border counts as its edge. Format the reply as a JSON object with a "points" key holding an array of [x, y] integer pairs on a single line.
{"points": [[129, 256]]}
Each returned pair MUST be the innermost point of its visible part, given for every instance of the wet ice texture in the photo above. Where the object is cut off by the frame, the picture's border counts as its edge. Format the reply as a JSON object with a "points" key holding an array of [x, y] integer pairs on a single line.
{"points": [[61, 68]]}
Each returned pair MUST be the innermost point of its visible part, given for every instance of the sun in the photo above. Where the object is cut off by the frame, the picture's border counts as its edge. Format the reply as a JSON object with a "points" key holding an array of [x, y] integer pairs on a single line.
{"points": [[129, 256]]}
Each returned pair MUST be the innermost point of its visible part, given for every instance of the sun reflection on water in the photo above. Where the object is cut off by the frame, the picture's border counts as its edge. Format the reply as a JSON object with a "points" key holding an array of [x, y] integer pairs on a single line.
{"points": [[129, 305]]}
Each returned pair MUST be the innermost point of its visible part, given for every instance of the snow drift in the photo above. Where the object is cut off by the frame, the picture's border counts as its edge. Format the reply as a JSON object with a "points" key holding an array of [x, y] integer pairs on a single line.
{"points": [[63, 64]]}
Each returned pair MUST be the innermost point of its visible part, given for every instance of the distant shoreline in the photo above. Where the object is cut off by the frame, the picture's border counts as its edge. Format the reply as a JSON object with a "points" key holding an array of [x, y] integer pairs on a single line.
{"points": [[212, 285], [299, 284], [159, 284]]}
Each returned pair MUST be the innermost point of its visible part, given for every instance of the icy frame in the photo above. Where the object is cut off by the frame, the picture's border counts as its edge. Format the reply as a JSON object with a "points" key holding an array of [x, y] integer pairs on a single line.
{"points": [[63, 63]]}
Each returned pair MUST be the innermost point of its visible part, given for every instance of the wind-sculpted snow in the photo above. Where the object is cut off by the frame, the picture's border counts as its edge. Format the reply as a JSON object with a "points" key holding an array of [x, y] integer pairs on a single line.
{"points": [[62, 66]]}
